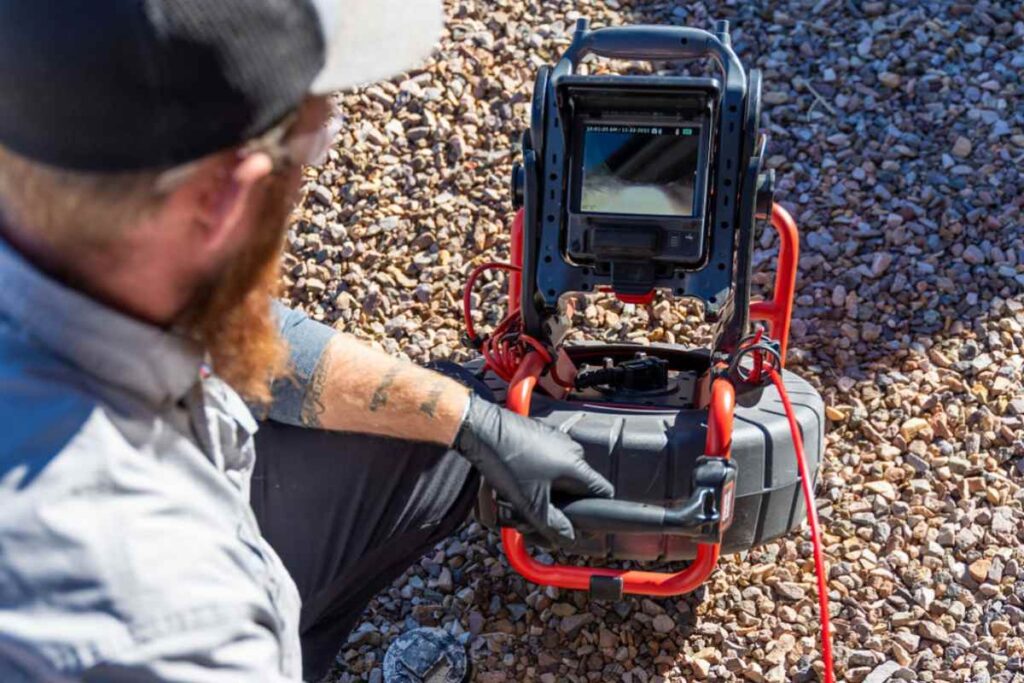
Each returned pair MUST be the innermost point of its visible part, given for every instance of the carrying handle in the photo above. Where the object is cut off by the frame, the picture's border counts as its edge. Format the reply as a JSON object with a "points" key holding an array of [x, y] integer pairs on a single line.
{"points": [[651, 43], [703, 517], [624, 516], [778, 311]]}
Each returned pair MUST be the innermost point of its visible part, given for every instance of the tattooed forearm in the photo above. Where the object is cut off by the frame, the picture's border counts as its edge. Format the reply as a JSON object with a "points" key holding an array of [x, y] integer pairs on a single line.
{"points": [[313, 406], [380, 394], [429, 406], [358, 389]]}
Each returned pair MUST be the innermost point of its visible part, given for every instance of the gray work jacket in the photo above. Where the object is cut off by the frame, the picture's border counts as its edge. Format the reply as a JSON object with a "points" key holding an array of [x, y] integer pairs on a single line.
{"points": [[127, 543]]}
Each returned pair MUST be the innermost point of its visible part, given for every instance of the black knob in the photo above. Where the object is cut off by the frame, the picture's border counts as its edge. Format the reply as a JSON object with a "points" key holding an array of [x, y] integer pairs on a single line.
{"points": [[722, 32], [518, 185]]}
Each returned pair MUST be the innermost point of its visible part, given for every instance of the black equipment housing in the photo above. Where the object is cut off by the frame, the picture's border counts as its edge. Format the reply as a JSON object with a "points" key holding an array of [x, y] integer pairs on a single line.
{"points": [[639, 416]]}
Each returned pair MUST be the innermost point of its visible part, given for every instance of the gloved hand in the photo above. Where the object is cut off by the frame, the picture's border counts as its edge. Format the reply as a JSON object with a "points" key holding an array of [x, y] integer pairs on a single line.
{"points": [[524, 460]]}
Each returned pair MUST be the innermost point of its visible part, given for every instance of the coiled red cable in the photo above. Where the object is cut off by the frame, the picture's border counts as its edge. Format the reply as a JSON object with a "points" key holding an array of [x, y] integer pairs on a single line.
{"points": [[504, 348]]}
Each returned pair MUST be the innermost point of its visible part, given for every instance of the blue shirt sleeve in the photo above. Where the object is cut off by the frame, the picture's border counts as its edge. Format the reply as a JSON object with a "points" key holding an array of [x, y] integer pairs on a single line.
{"points": [[307, 340]]}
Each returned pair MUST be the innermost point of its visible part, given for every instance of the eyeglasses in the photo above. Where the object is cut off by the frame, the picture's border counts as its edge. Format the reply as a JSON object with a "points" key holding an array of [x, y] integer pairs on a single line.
{"points": [[285, 149]]}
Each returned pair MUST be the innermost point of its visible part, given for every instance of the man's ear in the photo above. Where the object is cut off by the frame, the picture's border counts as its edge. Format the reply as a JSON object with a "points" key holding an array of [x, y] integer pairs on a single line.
{"points": [[215, 198]]}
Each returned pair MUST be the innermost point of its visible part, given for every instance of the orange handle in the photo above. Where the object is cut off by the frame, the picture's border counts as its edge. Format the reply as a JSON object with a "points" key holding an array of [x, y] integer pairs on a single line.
{"points": [[778, 311], [719, 442]]}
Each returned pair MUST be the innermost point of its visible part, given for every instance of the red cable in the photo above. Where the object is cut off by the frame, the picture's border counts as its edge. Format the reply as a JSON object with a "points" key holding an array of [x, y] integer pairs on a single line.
{"points": [[468, 290], [503, 350], [812, 519]]}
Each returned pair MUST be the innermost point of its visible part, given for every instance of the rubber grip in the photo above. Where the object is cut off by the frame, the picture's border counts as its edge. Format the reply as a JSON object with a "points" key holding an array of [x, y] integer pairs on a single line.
{"points": [[649, 43], [607, 515]]}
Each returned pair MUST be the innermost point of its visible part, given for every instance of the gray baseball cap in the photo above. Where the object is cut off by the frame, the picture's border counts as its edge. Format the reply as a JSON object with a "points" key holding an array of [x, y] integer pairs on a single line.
{"points": [[122, 85]]}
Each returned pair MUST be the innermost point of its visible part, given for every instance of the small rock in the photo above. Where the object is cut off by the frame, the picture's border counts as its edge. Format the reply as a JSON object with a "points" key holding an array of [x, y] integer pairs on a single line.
{"points": [[607, 639], [864, 658], [882, 488], [563, 609], [790, 591], [979, 569], [1000, 628], [573, 623], [914, 426], [882, 672], [962, 147], [870, 332], [323, 195], [908, 640], [701, 668], [973, 255], [889, 79], [663, 623], [545, 658], [1002, 523], [650, 607], [476, 622], [444, 580], [880, 263], [932, 631], [925, 596], [834, 414]]}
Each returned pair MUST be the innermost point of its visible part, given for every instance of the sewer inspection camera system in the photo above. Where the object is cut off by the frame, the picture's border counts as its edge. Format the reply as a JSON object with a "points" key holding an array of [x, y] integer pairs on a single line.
{"points": [[651, 186]]}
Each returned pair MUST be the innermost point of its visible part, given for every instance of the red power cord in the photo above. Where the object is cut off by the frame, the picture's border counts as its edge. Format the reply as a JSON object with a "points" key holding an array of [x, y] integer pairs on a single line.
{"points": [[812, 519]]}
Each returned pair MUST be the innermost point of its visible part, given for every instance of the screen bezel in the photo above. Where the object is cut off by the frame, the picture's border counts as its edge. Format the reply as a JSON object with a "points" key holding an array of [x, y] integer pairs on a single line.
{"points": [[696, 135]]}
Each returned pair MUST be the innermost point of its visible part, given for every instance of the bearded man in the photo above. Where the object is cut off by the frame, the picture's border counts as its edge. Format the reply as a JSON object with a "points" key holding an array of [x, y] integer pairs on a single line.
{"points": [[150, 527]]}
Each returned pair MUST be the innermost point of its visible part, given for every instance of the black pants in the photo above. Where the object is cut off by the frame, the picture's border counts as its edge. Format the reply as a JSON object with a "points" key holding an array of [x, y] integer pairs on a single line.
{"points": [[348, 514]]}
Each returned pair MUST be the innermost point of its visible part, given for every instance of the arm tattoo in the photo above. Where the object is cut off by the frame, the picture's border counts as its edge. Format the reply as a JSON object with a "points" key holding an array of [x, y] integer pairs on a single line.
{"points": [[313, 406], [429, 406], [380, 394]]}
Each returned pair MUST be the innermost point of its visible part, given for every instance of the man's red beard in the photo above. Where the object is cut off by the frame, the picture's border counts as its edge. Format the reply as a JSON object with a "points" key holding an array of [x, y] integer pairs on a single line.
{"points": [[230, 315]]}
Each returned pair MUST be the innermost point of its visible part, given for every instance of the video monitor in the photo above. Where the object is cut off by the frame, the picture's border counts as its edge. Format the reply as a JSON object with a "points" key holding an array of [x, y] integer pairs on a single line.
{"points": [[639, 170]]}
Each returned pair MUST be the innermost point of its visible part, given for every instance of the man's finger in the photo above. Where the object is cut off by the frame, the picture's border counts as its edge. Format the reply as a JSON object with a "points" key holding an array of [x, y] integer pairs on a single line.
{"points": [[584, 480], [559, 531]]}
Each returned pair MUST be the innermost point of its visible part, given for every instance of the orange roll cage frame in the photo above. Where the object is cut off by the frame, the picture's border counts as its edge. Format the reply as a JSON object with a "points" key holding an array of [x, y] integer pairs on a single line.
{"points": [[777, 312]]}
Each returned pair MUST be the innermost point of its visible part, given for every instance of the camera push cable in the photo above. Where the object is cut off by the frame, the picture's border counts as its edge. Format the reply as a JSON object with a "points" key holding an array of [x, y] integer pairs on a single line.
{"points": [[767, 362], [507, 345], [812, 521]]}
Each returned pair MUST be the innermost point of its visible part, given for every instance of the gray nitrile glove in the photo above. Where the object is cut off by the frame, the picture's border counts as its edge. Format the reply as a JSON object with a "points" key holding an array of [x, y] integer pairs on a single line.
{"points": [[524, 460]]}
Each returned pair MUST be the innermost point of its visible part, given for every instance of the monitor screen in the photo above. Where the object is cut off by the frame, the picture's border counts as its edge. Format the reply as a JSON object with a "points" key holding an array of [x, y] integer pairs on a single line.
{"points": [[639, 170]]}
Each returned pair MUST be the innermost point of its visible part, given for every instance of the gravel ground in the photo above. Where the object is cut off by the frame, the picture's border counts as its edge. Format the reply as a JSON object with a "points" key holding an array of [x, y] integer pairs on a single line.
{"points": [[897, 131]]}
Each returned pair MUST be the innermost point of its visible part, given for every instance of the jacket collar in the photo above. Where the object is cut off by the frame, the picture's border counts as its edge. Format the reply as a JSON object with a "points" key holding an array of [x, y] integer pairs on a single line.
{"points": [[152, 362]]}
